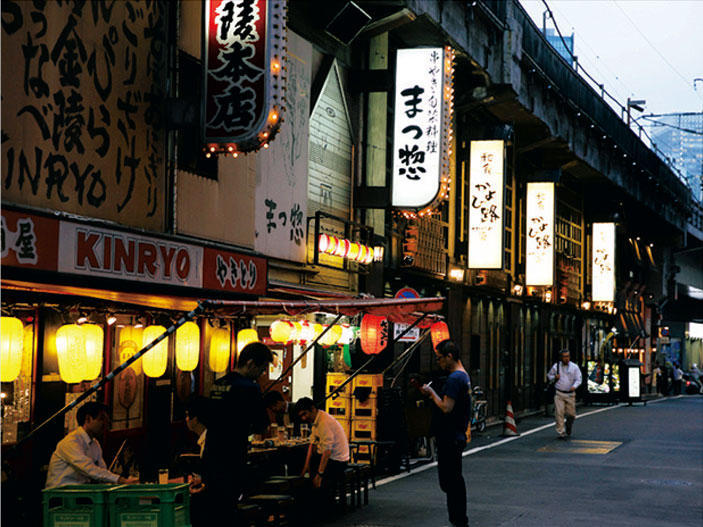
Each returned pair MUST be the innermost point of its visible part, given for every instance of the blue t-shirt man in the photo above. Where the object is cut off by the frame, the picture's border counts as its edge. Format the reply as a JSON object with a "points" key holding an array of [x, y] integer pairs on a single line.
{"points": [[455, 407], [453, 425]]}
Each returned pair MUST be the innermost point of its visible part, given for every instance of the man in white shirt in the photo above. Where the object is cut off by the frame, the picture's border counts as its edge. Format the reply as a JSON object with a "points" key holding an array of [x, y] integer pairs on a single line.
{"points": [[568, 378], [78, 457], [328, 441]]}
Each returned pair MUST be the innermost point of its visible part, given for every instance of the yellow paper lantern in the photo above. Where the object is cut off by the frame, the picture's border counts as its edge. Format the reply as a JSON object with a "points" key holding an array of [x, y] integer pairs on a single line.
{"points": [[281, 331], [244, 337], [317, 329], [155, 360], [219, 350], [11, 339], [187, 346], [93, 335], [297, 331], [131, 341], [70, 348], [332, 336]]}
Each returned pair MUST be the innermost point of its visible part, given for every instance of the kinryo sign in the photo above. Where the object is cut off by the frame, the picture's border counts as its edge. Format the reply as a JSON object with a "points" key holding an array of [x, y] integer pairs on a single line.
{"points": [[422, 127], [244, 81], [486, 205], [603, 263], [539, 230]]}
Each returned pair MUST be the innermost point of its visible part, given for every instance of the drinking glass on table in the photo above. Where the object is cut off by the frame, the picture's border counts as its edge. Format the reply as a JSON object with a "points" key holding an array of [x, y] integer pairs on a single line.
{"points": [[281, 433], [305, 430], [289, 429]]}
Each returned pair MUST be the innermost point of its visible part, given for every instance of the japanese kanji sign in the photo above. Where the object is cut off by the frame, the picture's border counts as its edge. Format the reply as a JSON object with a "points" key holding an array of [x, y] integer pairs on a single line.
{"points": [[486, 205], [244, 73], [82, 88], [539, 231], [418, 127], [603, 263]]}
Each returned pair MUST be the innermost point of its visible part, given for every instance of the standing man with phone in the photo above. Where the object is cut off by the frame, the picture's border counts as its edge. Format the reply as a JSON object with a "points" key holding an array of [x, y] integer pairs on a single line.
{"points": [[455, 406], [568, 378]]}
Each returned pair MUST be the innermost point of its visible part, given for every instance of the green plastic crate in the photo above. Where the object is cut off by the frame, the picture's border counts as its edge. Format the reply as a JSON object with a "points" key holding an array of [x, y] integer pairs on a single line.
{"points": [[76, 505], [150, 506]]}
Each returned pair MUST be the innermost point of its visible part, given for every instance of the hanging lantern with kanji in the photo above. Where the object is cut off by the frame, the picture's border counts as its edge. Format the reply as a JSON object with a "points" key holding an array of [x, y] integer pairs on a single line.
{"points": [[281, 331], [219, 350], [187, 346], [131, 340], [11, 343], [155, 360], [70, 349], [246, 336], [373, 334], [93, 335], [439, 331]]}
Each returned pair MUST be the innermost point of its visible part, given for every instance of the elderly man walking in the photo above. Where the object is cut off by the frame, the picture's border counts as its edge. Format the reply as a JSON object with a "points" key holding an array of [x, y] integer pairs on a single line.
{"points": [[568, 378]]}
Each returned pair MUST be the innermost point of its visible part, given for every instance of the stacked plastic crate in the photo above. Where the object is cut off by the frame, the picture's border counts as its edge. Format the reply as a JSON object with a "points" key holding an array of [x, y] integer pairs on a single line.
{"points": [[339, 406], [364, 412]]}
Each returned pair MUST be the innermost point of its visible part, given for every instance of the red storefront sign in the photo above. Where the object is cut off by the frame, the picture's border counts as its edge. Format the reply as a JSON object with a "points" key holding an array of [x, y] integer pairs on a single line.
{"points": [[38, 242], [244, 73]]}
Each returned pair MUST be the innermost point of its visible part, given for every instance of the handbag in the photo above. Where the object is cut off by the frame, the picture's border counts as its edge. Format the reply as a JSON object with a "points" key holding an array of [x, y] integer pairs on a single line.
{"points": [[550, 390]]}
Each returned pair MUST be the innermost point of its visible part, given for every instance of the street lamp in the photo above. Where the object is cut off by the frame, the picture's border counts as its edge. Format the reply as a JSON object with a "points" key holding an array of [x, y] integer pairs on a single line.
{"points": [[635, 104]]}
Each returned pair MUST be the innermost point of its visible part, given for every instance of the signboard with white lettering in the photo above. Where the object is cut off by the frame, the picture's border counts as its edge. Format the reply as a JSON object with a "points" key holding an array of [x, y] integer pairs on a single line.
{"points": [[244, 67], [603, 263], [486, 205], [539, 229], [101, 252], [417, 137]]}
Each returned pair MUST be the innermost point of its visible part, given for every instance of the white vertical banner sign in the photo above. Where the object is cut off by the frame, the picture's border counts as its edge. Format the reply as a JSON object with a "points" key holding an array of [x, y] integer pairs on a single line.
{"points": [[539, 230], [603, 263], [282, 170], [486, 205], [417, 135]]}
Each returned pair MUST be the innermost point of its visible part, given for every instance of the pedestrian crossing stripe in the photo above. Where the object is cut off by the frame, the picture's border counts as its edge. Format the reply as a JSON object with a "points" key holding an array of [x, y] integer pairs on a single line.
{"points": [[581, 446]]}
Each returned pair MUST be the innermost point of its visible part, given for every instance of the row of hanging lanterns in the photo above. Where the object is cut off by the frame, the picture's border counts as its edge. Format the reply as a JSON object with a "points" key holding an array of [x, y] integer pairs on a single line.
{"points": [[286, 331], [345, 249], [80, 347]]}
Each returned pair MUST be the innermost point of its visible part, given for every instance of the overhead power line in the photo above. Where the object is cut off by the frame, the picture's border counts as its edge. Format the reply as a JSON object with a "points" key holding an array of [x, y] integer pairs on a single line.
{"points": [[656, 50]]}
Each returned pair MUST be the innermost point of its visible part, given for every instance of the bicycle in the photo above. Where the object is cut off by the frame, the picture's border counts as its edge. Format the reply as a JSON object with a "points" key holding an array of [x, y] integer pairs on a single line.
{"points": [[478, 409]]}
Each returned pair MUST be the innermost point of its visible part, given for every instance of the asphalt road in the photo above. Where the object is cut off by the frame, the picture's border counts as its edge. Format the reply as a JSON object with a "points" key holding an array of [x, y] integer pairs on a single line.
{"points": [[625, 466]]}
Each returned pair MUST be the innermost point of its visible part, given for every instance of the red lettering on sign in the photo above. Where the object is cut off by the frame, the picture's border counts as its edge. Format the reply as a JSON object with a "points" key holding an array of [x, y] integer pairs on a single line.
{"points": [[85, 250], [124, 255], [107, 253], [167, 256], [182, 264], [147, 258]]}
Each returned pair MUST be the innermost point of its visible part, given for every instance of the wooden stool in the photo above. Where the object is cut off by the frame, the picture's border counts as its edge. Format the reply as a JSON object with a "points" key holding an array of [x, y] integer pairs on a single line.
{"points": [[363, 475], [348, 481], [277, 507]]}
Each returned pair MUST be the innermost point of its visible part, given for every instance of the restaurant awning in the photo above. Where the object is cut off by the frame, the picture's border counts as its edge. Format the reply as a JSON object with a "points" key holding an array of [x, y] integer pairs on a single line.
{"points": [[399, 310]]}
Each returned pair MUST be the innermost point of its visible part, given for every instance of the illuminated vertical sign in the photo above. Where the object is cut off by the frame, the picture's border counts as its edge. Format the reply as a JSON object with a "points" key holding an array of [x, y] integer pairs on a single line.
{"points": [[486, 205], [417, 137], [244, 73], [603, 263], [539, 230]]}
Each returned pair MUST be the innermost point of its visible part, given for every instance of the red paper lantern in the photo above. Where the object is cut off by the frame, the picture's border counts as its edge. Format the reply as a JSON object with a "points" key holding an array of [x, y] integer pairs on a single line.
{"points": [[373, 334], [439, 332]]}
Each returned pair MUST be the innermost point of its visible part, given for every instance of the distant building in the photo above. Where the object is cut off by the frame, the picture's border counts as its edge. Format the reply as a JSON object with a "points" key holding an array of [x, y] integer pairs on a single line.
{"points": [[682, 147], [565, 47]]}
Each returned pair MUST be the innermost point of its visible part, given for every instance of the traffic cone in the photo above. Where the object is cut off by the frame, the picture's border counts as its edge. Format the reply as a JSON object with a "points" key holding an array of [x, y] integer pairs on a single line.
{"points": [[509, 427]]}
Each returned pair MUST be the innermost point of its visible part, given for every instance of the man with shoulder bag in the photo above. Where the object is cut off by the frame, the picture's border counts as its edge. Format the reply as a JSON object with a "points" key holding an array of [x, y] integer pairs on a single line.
{"points": [[567, 377]]}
